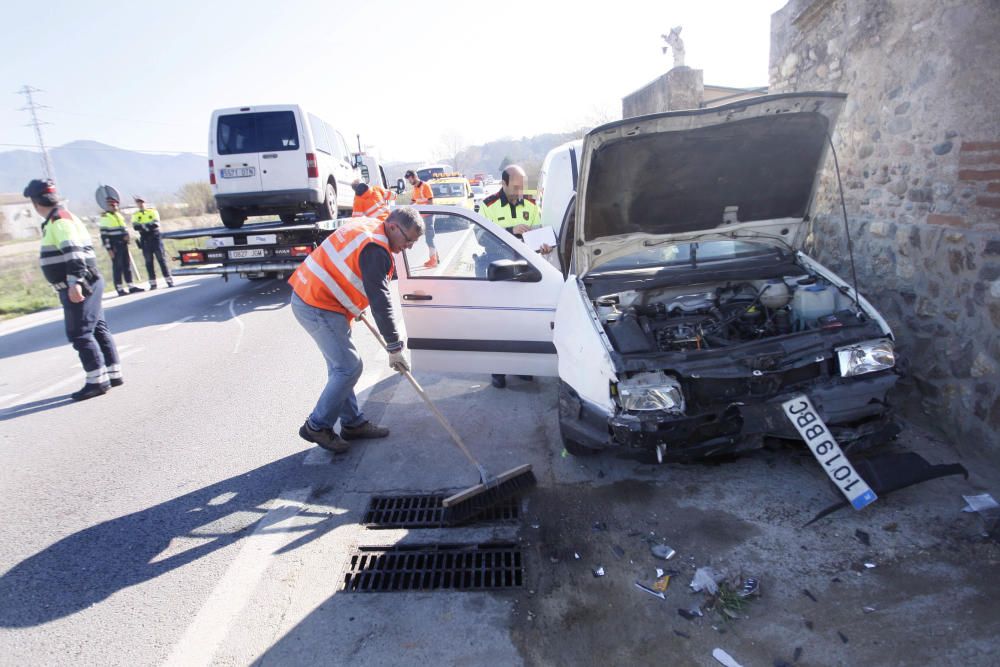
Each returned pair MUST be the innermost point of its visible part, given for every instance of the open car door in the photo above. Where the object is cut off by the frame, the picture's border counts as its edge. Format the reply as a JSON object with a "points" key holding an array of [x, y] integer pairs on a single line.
{"points": [[487, 307]]}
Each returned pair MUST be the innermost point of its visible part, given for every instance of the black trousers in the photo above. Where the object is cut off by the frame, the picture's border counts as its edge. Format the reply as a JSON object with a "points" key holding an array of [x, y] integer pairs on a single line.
{"points": [[89, 334], [152, 245], [121, 267]]}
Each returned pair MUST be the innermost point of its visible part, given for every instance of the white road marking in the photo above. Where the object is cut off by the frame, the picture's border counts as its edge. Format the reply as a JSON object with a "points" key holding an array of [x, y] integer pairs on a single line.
{"points": [[52, 388], [168, 327], [212, 623], [224, 302], [239, 322]]}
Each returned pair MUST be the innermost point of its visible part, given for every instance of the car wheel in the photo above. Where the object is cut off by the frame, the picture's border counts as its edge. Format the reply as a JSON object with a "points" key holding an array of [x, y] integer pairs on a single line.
{"points": [[577, 449], [287, 218], [232, 218], [328, 209]]}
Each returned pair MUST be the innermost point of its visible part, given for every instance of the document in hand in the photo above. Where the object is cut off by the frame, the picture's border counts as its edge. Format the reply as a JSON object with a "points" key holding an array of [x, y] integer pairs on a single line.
{"points": [[534, 238]]}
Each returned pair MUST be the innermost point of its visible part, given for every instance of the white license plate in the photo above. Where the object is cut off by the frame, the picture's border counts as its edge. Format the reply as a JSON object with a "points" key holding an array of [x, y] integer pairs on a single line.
{"points": [[237, 172], [244, 254], [807, 422]]}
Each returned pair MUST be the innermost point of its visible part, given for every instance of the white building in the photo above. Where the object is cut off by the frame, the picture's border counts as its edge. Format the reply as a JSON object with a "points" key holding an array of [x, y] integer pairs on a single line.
{"points": [[18, 219]]}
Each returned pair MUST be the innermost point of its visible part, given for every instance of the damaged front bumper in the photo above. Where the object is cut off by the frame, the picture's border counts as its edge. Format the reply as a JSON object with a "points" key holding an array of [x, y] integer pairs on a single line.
{"points": [[855, 410]]}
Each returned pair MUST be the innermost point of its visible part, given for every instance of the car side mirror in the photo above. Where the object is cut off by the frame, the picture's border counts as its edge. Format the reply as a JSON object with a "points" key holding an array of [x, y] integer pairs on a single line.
{"points": [[471, 195], [515, 270], [400, 186]]}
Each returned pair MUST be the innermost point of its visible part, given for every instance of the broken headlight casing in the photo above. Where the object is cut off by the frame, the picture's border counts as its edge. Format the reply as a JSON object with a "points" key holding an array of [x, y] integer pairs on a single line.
{"points": [[651, 391], [868, 356]]}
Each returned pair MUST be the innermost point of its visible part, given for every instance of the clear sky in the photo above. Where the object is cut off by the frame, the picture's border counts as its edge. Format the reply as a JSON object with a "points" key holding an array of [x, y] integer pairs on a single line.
{"points": [[405, 75]]}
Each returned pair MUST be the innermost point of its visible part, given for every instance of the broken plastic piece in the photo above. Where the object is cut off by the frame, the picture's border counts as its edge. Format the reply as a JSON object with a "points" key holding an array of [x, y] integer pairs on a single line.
{"points": [[706, 579], [750, 588], [576, 556], [868, 610], [725, 658], [690, 614], [617, 551], [662, 551], [809, 595], [863, 537], [599, 571], [869, 565], [981, 503], [662, 583], [842, 636], [655, 594], [659, 573]]}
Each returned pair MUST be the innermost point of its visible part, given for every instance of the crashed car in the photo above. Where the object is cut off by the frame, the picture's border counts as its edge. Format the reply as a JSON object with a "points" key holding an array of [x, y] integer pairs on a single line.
{"points": [[686, 317]]}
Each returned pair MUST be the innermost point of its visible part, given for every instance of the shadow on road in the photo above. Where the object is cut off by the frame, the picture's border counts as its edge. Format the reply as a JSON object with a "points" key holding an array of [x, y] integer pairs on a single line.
{"points": [[93, 564], [30, 408], [157, 310]]}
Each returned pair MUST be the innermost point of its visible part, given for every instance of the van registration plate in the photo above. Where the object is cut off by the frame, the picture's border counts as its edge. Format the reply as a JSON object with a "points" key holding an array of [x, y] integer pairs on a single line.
{"points": [[245, 254], [807, 422], [237, 172]]}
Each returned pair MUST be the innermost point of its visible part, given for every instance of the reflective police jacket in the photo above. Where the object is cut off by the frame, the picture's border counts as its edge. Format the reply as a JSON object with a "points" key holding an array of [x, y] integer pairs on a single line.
{"points": [[67, 252], [146, 221], [113, 229], [498, 208]]}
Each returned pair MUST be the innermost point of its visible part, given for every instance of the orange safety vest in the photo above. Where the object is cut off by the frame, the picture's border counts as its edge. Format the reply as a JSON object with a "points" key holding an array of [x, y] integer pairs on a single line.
{"points": [[422, 193], [330, 277], [370, 205], [388, 195]]}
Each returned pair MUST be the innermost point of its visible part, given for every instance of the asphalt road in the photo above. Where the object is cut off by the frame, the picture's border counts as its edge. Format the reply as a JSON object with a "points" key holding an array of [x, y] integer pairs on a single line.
{"points": [[180, 520]]}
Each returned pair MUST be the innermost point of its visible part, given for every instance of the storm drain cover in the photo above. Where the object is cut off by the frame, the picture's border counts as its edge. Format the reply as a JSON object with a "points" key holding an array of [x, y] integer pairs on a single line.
{"points": [[431, 567], [426, 511]]}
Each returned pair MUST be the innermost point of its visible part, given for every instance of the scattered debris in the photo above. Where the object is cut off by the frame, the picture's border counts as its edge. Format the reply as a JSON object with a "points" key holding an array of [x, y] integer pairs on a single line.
{"points": [[869, 566], [805, 591], [617, 551], [536, 526], [890, 527], [659, 572], [706, 579], [682, 634], [599, 571], [553, 559], [808, 624], [981, 503], [662, 551], [836, 580], [842, 636], [564, 453], [750, 588], [725, 658], [662, 583], [797, 654], [728, 602], [599, 526], [655, 594], [690, 614], [576, 556], [863, 537], [868, 610]]}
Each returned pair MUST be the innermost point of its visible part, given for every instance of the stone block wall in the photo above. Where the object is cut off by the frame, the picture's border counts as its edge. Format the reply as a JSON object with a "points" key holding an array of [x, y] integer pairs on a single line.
{"points": [[680, 88], [919, 152]]}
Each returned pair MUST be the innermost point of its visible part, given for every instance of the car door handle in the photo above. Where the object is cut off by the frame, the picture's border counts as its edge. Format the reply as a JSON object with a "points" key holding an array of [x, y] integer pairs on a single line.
{"points": [[417, 297], [269, 155]]}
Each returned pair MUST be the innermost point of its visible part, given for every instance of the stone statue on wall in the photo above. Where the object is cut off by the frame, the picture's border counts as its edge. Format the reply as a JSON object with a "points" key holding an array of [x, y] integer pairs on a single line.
{"points": [[675, 44]]}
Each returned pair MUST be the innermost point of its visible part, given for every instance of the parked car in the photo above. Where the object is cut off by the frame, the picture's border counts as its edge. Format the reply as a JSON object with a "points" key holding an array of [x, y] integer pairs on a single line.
{"points": [[686, 317], [278, 160]]}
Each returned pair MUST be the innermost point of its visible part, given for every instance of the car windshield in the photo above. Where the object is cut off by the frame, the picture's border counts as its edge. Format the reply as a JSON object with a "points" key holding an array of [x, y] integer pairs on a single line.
{"points": [[427, 173], [448, 189], [697, 253], [478, 190]]}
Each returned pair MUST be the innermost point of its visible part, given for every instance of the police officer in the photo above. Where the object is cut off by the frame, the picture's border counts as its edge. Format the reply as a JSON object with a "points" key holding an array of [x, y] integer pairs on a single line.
{"points": [[70, 265], [509, 208], [114, 236], [146, 221]]}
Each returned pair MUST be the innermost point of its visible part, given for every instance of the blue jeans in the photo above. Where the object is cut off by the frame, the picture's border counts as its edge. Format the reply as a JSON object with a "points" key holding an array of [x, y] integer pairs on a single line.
{"points": [[332, 334]]}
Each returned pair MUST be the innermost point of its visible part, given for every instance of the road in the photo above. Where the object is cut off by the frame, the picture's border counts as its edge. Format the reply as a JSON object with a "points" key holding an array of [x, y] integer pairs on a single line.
{"points": [[180, 520]]}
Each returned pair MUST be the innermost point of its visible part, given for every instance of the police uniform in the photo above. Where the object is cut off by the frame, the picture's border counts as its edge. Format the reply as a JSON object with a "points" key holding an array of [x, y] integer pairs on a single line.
{"points": [[147, 223], [114, 237], [68, 259]]}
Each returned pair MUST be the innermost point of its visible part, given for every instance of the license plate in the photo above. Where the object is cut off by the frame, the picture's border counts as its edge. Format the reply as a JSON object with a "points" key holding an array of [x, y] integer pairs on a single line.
{"points": [[237, 172], [244, 254], [807, 422]]}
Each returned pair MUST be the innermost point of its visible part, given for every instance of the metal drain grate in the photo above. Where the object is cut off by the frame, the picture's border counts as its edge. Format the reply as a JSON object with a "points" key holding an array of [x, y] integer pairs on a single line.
{"points": [[429, 567], [425, 511]]}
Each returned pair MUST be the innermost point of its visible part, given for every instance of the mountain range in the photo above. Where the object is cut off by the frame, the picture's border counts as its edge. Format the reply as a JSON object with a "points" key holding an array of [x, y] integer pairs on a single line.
{"points": [[81, 166]]}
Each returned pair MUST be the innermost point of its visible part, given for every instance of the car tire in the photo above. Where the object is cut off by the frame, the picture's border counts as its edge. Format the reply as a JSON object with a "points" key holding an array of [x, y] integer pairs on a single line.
{"points": [[287, 218], [577, 449], [328, 209], [232, 218]]}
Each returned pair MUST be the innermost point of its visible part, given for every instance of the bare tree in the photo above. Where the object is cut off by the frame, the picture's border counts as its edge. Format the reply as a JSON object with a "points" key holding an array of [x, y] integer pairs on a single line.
{"points": [[452, 144]]}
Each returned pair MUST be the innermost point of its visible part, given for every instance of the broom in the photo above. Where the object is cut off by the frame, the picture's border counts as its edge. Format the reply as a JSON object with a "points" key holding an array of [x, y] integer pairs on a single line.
{"points": [[490, 491]]}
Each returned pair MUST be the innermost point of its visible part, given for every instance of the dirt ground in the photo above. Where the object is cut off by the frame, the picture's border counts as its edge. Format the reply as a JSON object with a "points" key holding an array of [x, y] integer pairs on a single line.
{"points": [[909, 580]]}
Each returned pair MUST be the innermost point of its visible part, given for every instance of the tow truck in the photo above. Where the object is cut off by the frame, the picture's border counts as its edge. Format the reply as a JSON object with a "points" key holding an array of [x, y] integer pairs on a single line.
{"points": [[269, 249]]}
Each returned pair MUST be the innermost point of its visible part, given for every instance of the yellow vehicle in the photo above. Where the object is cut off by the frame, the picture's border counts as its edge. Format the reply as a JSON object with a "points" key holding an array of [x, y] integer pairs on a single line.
{"points": [[451, 189]]}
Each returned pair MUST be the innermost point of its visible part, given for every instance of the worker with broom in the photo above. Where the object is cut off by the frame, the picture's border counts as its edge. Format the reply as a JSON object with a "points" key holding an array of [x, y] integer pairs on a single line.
{"points": [[349, 271]]}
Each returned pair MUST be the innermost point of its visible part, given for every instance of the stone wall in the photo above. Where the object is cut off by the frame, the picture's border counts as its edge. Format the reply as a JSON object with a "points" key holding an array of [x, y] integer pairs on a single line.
{"points": [[680, 88], [919, 151]]}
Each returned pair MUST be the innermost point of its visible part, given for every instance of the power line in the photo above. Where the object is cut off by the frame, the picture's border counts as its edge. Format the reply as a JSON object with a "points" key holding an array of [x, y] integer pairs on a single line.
{"points": [[32, 107], [110, 149]]}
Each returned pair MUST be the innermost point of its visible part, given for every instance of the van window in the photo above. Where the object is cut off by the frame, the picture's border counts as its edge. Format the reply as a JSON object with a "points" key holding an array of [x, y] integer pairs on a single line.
{"points": [[320, 135], [342, 146], [258, 132]]}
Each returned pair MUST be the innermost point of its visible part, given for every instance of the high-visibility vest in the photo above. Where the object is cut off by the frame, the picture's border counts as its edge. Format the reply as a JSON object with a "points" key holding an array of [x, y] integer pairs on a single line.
{"points": [[67, 253], [388, 195], [370, 205], [498, 209], [330, 277], [112, 228], [146, 220], [422, 194]]}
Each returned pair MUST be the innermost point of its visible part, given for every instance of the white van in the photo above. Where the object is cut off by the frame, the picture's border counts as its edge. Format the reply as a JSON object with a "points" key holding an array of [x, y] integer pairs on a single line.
{"points": [[278, 159], [557, 182]]}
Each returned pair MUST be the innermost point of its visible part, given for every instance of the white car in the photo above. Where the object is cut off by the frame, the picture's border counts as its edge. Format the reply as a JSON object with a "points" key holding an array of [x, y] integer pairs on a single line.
{"points": [[278, 159], [686, 315]]}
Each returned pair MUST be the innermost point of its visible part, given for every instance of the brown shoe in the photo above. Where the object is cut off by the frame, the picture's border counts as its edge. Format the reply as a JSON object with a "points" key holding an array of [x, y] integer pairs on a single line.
{"points": [[325, 438], [365, 431]]}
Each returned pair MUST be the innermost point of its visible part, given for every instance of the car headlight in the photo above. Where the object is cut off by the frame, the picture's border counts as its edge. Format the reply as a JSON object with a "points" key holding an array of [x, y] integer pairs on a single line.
{"points": [[651, 391], [868, 356]]}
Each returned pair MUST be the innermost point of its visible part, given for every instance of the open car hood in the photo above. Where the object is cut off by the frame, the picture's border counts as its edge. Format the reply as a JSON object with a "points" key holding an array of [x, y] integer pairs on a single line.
{"points": [[747, 169]]}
